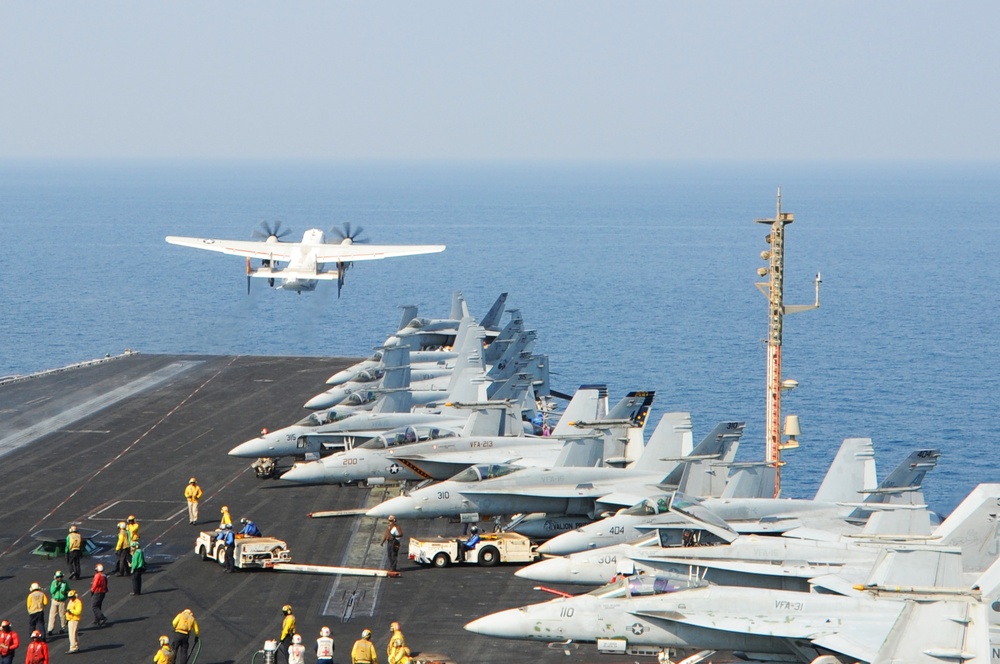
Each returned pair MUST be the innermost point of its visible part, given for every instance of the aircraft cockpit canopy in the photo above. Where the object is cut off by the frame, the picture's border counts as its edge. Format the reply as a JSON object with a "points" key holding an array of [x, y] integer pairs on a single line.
{"points": [[405, 436], [376, 356], [649, 507], [322, 417], [486, 472], [643, 584], [359, 398], [369, 375], [416, 323]]}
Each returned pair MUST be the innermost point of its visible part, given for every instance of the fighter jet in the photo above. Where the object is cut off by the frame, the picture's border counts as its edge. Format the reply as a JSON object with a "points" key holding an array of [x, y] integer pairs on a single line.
{"points": [[912, 608], [384, 457], [511, 489], [850, 477], [336, 428], [717, 554], [307, 259]]}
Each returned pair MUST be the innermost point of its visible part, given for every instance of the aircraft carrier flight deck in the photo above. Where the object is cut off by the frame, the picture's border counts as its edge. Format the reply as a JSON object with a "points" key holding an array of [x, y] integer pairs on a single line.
{"points": [[92, 445]]}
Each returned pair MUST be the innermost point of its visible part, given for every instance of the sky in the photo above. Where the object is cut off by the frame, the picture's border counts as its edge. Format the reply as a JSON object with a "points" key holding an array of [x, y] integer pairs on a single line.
{"points": [[514, 80]]}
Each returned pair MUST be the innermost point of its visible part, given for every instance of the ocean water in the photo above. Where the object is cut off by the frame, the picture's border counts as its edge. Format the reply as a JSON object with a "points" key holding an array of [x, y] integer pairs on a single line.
{"points": [[638, 275]]}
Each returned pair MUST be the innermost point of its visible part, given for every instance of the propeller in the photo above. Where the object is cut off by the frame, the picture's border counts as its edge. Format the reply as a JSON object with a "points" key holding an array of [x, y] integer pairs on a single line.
{"points": [[345, 235], [266, 230]]}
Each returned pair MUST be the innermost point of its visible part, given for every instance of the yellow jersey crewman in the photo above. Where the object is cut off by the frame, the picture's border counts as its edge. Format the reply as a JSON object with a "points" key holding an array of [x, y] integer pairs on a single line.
{"points": [[192, 492], [363, 651]]}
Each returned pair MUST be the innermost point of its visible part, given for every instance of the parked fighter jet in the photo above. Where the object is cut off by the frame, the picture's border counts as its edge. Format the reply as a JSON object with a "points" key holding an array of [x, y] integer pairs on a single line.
{"points": [[307, 259], [384, 457], [332, 427], [849, 479], [913, 608], [707, 548], [510, 489]]}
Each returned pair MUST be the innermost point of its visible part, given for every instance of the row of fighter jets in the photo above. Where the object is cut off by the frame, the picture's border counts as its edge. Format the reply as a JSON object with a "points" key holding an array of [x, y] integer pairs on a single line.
{"points": [[703, 560]]}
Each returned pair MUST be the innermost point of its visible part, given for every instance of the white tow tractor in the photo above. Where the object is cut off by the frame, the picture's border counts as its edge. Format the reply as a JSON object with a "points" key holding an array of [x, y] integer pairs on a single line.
{"points": [[250, 551], [492, 548]]}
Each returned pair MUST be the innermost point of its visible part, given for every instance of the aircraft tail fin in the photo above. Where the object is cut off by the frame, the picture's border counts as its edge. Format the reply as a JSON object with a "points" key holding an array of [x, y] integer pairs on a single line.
{"points": [[468, 373], [973, 527], [588, 452], [750, 481], [635, 406], [852, 471], [708, 477], [499, 420], [397, 397], [582, 407], [491, 321], [518, 349], [712, 447], [458, 310], [989, 585], [409, 313], [510, 332], [673, 436], [905, 477]]}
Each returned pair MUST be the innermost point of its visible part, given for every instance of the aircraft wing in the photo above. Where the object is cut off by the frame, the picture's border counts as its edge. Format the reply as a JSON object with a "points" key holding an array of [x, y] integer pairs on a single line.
{"points": [[331, 253], [280, 251], [324, 253]]}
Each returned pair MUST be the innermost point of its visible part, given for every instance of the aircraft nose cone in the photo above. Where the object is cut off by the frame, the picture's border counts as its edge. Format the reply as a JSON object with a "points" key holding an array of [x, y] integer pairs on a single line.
{"points": [[320, 401], [565, 544], [402, 507], [551, 570], [310, 472], [509, 624], [257, 447]]}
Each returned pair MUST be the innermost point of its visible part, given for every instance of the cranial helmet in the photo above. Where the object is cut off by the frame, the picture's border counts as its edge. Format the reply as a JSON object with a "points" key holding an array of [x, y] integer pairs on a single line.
{"points": [[164, 640], [99, 567], [474, 529], [71, 593], [36, 635], [72, 529], [366, 634], [325, 631], [244, 520], [192, 481], [131, 518], [394, 627], [225, 508], [286, 609], [6, 624], [34, 587], [392, 518], [297, 638]]}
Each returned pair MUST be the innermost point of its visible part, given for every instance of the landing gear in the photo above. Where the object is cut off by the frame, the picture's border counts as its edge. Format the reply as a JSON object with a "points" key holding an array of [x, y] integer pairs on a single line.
{"points": [[266, 468]]}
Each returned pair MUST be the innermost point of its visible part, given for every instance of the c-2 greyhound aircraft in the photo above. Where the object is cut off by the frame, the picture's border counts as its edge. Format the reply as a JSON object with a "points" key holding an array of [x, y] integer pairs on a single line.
{"points": [[307, 259]]}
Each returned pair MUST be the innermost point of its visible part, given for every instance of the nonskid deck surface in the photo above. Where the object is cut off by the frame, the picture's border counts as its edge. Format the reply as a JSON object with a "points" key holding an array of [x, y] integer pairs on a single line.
{"points": [[96, 444]]}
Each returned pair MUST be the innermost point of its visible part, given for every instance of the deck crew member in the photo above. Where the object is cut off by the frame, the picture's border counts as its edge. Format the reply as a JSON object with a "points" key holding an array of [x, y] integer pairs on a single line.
{"points": [[98, 589], [397, 642], [138, 567], [228, 540], [122, 553], [59, 590], [74, 611], [184, 625], [38, 650], [37, 601], [297, 651], [9, 641], [324, 647], [74, 552], [192, 492], [287, 628], [250, 528], [363, 651], [225, 519], [132, 526], [164, 655], [390, 539]]}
